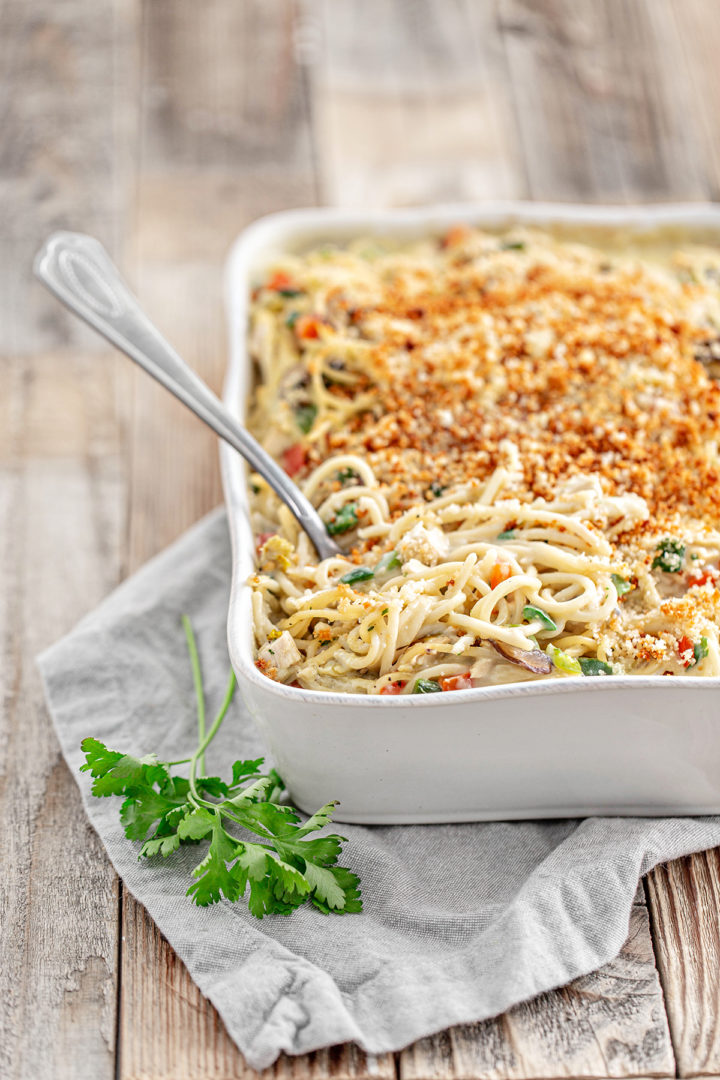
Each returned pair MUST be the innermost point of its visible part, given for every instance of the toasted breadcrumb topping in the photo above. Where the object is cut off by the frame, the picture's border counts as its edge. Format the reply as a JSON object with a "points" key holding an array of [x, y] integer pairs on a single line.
{"points": [[430, 362], [587, 369]]}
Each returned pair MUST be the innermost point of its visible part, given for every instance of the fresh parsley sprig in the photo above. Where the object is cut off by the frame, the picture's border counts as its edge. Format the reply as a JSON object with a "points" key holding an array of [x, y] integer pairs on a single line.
{"points": [[280, 868]]}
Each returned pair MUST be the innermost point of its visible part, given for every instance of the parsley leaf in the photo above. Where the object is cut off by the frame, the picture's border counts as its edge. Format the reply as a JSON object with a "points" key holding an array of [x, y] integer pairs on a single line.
{"points": [[671, 554], [280, 870], [622, 585], [213, 877], [243, 769], [142, 808], [305, 417], [563, 661], [591, 666], [700, 649], [161, 845], [426, 686], [534, 614], [389, 561], [119, 774], [360, 573], [345, 519]]}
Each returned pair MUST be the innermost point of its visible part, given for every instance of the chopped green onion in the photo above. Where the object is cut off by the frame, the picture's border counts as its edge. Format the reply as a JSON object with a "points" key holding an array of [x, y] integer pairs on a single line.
{"points": [[563, 661], [670, 557], [591, 666], [385, 611], [292, 319], [346, 474], [345, 519], [305, 417], [509, 534], [436, 489], [426, 686], [512, 245], [389, 561], [530, 613], [700, 649], [621, 584], [290, 292], [360, 573]]}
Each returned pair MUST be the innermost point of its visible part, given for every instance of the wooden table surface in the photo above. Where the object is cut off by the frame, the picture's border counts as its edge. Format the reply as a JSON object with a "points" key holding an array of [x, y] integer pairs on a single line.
{"points": [[164, 127]]}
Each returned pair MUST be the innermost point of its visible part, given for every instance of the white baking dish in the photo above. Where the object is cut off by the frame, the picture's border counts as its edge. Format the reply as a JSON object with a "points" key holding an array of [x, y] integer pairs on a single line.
{"points": [[571, 747]]}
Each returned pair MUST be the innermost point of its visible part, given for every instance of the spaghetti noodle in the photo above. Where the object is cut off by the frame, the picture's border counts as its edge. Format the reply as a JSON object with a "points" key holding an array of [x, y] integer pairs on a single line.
{"points": [[515, 442]]}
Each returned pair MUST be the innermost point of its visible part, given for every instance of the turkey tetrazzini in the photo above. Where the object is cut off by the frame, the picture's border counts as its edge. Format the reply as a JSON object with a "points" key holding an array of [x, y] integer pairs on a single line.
{"points": [[514, 439]]}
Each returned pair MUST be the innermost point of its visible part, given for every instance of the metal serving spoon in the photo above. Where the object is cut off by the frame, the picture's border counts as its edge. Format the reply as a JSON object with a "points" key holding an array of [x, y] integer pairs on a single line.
{"points": [[78, 270]]}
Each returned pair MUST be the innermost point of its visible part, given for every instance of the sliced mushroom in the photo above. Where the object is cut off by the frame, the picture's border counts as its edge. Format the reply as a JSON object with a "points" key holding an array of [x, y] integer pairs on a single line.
{"points": [[708, 353], [531, 659], [295, 378]]}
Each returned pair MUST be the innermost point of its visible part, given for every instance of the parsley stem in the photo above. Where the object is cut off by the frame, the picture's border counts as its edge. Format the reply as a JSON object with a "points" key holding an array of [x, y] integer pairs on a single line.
{"points": [[197, 681], [199, 755], [220, 716]]}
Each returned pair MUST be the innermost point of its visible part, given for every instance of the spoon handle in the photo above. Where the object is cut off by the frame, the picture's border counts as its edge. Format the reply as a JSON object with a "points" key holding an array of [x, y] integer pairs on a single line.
{"points": [[78, 270]]}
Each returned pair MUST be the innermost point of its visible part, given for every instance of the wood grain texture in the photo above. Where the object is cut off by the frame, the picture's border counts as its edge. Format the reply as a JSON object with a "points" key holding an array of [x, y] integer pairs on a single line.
{"points": [[609, 1023], [604, 100], [174, 1032], [697, 30], [63, 70], [67, 119], [61, 488], [685, 902], [411, 104]]}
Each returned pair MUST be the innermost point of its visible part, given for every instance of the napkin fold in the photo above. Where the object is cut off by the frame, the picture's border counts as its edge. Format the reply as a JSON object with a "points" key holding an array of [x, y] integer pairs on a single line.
{"points": [[460, 922]]}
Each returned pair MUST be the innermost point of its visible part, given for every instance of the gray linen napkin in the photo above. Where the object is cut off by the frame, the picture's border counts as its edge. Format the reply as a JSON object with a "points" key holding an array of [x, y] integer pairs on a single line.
{"points": [[460, 922]]}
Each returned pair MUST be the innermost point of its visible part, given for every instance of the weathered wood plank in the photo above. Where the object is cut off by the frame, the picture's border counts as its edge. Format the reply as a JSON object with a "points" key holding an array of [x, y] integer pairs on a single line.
{"points": [[61, 505], [603, 96], [411, 104], [696, 27], [223, 141], [65, 74], [222, 90], [684, 898], [609, 1023], [176, 1033], [66, 122]]}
